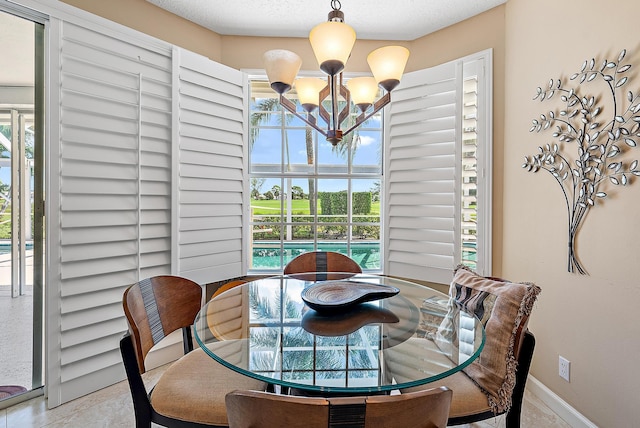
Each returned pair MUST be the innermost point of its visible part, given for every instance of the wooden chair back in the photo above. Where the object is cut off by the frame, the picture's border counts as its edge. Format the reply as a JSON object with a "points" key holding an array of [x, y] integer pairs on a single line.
{"points": [[156, 307], [322, 261], [422, 409]]}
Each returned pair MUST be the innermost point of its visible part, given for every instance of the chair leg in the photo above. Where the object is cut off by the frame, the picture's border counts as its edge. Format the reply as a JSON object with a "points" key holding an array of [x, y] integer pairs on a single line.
{"points": [[513, 416], [141, 405], [187, 340]]}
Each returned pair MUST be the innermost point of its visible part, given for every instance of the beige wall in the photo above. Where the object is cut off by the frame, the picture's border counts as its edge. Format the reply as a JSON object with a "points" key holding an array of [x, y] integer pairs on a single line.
{"points": [[591, 320]]}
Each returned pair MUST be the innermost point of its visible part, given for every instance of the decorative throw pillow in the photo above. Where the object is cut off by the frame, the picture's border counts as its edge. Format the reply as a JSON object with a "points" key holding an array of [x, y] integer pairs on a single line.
{"points": [[504, 308]]}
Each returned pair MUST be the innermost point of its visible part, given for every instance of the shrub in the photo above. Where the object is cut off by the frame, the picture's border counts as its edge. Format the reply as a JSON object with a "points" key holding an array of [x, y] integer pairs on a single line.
{"points": [[336, 203], [361, 202]]}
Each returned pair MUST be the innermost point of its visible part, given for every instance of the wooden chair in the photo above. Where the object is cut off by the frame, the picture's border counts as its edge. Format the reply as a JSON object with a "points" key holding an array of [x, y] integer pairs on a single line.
{"points": [[469, 410], [322, 261], [469, 404], [508, 350], [424, 409], [190, 393]]}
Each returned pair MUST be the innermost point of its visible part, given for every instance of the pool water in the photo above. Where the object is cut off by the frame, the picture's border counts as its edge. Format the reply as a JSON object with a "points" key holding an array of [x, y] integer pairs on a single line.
{"points": [[6, 248], [266, 255]]}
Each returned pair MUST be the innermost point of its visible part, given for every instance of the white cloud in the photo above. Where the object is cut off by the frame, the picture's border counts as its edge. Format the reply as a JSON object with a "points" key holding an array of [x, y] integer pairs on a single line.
{"points": [[375, 119], [366, 140]]}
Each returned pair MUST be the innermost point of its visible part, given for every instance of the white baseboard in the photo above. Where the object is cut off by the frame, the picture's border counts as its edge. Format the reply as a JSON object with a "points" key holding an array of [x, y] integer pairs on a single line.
{"points": [[558, 405]]}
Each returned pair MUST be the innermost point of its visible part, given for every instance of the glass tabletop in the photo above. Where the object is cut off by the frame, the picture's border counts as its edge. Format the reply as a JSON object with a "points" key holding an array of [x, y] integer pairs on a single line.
{"points": [[265, 330]]}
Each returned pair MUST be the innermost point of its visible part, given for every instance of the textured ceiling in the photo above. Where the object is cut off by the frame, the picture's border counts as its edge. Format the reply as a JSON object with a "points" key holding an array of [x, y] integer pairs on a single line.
{"points": [[371, 19]]}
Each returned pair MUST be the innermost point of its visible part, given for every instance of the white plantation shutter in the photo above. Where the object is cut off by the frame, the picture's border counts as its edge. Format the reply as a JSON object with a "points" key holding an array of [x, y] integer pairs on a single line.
{"points": [[421, 180], [212, 105], [146, 148], [112, 223], [425, 129]]}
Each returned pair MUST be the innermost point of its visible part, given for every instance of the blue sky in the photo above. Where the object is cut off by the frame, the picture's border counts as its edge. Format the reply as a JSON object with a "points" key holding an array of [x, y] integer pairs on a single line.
{"points": [[267, 150], [5, 175]]}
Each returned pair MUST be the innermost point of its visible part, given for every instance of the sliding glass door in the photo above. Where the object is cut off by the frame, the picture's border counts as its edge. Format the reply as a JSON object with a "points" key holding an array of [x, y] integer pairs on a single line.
{"points": [[21, 204]]}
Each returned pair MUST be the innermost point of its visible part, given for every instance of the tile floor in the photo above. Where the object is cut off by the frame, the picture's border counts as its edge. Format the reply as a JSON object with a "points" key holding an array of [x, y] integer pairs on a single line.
{"points": [[16, 319], [111, 407]]}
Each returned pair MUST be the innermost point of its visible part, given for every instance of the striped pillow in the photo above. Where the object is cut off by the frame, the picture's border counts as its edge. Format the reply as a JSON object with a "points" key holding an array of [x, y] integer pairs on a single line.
{"points": [[504, 308]]}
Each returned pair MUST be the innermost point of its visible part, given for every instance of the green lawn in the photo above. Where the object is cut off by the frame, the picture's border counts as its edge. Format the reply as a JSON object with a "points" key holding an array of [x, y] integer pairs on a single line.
{"points": [[300, 206]]}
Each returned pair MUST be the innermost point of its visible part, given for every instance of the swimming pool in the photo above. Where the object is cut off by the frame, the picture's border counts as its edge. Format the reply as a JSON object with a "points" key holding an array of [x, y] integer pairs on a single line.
{"points": [[266, 255], [5, 248]]}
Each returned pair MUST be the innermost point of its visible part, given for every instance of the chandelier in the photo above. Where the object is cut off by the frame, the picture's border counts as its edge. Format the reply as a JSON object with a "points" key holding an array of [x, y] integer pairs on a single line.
{"points": [[332, 42]]}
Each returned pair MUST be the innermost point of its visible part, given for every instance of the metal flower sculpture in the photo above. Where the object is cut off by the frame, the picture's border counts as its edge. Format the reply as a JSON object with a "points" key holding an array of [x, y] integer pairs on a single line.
{"points": [[601, 143]]}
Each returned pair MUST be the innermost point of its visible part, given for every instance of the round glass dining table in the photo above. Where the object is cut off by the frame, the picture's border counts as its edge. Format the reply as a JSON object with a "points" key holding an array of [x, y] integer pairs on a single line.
{"points": [[367, 333]]}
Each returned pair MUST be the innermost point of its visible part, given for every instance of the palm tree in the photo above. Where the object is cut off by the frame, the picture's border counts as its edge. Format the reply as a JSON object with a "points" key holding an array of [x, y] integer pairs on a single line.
{"points": [[264, 108], [260, 117]]}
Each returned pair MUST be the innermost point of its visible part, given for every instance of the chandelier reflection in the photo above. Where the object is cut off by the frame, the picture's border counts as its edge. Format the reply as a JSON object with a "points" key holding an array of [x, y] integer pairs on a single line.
{"points": [[332, 42]]}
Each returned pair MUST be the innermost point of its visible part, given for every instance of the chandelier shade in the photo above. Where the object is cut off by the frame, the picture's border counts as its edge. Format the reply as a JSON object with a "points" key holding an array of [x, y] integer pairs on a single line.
{"points": [[281, 66], [364, 91], [308, 89], [332, 42], [387, 65]]}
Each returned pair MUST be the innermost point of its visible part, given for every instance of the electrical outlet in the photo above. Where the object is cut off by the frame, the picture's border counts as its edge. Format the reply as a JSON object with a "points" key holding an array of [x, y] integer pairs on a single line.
{"points": [[564, 366]]}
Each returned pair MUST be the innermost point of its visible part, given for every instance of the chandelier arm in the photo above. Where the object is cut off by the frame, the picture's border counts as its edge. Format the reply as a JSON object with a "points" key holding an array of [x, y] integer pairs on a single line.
{"points": [[335, 124], [347, 97], [324, 114], [309, 119], [383, 101], [322, 111]]}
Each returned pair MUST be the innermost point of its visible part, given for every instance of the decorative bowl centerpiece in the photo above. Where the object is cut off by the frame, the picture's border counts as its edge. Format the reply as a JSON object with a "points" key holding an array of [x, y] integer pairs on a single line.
{"points": [[335, 295]]}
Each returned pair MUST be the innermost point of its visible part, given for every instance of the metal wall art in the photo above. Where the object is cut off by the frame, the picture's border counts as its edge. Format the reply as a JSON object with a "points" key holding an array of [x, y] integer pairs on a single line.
{"points": [[601, 142]]}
